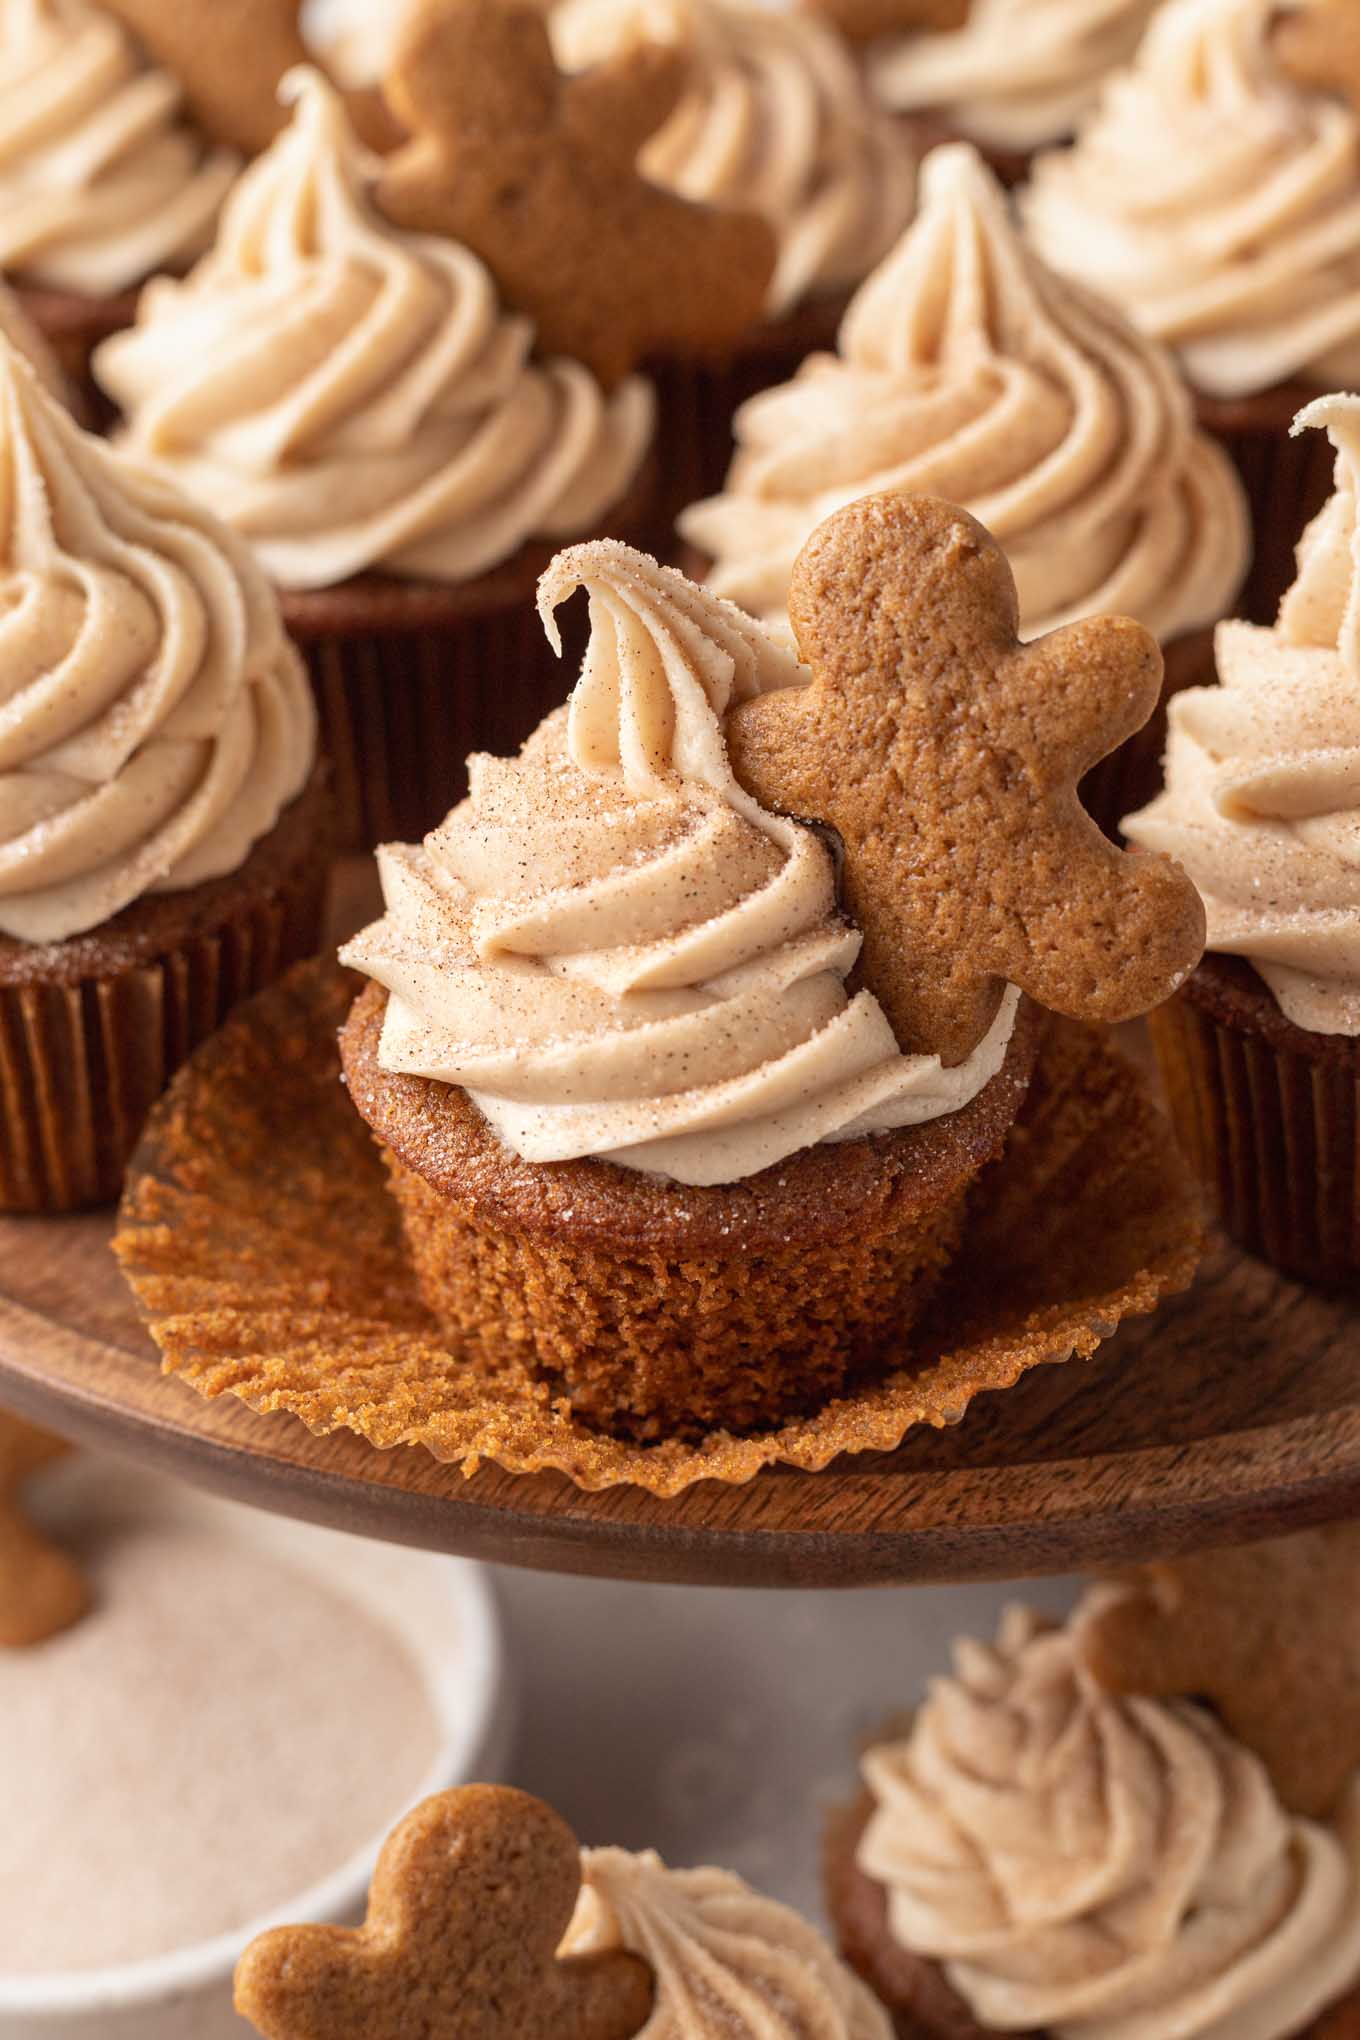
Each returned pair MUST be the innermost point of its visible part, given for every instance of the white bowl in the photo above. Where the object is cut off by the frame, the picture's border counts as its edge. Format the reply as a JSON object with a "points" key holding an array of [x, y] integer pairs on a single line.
{"points": [[443, 1610]]}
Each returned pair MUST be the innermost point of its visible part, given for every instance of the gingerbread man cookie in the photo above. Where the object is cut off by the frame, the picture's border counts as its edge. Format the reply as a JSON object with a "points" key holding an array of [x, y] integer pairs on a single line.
{"points": [[41, 1591], [863, 20], [537, 173], [1317, 45], [470, 1901], [1269, 1634], [947, 754], [228, 58]]}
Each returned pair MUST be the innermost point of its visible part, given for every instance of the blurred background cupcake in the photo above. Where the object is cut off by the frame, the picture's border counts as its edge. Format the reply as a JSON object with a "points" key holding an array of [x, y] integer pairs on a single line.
{"points": [[968, 370], [1260, 1049], [1217, 201]]}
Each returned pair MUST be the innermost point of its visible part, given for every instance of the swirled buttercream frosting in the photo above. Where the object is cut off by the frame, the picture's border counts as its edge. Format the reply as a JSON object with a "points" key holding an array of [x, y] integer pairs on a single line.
{"points": [[1262, 797], [154, 719], [102, 180], [1103, 1868], [615, 949], [1019, 74], [349, 396], [729, 1964], [967, 370], [1218, 203], [18, 330], [775, 119]]}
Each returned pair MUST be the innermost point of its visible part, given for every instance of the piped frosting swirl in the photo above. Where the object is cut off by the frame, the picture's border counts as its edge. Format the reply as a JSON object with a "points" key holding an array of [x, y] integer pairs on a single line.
{"points": [[351, 397], [102, 181], [967, 370], [615, 949], [154, 719], [775, 119], [1101, 1868], [1262, 799], [1218, 203]]}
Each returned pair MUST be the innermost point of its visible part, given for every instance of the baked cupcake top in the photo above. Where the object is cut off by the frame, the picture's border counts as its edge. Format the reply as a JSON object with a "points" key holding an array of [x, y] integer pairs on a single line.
{"points": [[1019, 74], [725, 1959], [615, 949], [774, 118], [1093, 1866], [102, 180], [1218, 203], [154, 719], [1263, 771], [349, 396], [967, 370]]}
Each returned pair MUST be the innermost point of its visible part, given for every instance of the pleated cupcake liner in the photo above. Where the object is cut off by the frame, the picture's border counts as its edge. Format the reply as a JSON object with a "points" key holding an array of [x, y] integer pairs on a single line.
{"points": [[1287, 482], [1274, 1134], [82, 1063], [1132, 776]]}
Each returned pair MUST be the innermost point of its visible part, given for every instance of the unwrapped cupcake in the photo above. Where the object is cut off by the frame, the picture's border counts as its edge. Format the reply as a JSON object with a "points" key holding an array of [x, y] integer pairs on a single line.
{"points": [[1261, 1047], [1216, 200], [164, 828], [967, 369]]}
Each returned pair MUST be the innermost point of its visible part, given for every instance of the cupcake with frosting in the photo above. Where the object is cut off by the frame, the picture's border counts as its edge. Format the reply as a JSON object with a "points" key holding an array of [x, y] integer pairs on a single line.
{"points": [[17, 330], [1261, 1047], [362, 409], [1017, 76], [104, 179], [966, 369], [1218, 203], [1037, 1855], [163, 826]]}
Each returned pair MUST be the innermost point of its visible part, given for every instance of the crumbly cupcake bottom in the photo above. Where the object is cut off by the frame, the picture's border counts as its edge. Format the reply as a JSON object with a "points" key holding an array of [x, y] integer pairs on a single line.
{"points": [[665, 1310], [93, 1028]]}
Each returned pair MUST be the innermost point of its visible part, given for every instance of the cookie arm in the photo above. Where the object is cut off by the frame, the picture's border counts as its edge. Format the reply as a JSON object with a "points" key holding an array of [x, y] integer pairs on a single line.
{"points": [[619, 105]]}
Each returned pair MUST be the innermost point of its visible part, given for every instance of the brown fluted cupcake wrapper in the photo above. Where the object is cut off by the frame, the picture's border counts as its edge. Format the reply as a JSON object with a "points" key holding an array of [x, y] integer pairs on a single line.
{"points": [[1132, 776], [82, 1062], [1287, 482], [1273, 1133]]}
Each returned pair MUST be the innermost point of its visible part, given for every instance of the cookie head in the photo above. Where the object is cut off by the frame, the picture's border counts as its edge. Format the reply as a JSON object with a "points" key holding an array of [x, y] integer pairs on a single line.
{"points": [[947, 755], [536, 172], [41, 1591], [470, 1901], [1317, 46]]}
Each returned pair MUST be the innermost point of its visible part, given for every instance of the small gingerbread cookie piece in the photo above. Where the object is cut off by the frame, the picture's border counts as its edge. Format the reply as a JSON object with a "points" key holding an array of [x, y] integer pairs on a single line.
{"points": [[537, 173], [1317, 46], [1269, 1635], [229, 58], [861, 21], [947, 755], [471, 1898], [41, 1591]]}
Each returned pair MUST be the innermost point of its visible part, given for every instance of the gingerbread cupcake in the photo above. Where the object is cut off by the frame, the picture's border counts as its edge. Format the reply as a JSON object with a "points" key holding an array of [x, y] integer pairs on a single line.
{"points": [[967, 369], [1215, 196], [1261, 1047], [1016, 76], [666, 1119], [164, 831], [1072, 1839]]}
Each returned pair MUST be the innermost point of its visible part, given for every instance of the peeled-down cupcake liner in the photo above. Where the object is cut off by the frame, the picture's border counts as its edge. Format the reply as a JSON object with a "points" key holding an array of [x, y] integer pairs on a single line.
{"points": [[1132, 776], [1287, 482], [82, 1063], [1274, 1135], [266, 1256]]}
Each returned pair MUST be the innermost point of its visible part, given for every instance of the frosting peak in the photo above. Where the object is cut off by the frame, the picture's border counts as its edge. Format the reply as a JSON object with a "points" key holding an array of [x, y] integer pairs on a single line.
{"points": [[967, 370], [615, 949], [775, 118], [727, 1961], [1102, 1868], [350, 396], [1263, 772], [101, 179], [1218, 202], [154, 719]]}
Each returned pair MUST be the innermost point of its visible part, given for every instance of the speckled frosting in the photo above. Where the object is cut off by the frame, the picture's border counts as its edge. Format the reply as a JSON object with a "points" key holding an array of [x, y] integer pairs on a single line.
{"points": [[101, 179], [1095, 1867], [775, 119], [967, 370], [350, 397], [615, 950], [1217, 203]]}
